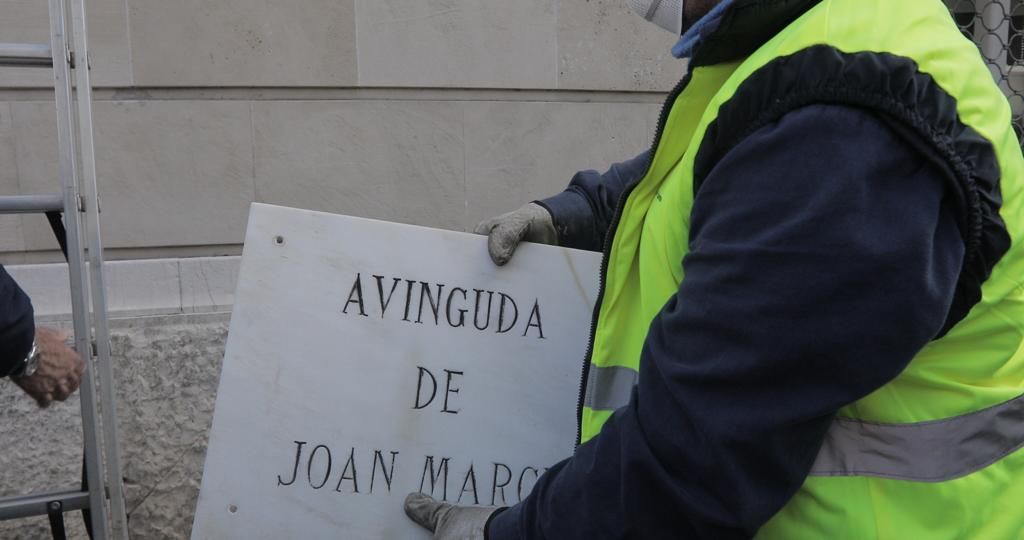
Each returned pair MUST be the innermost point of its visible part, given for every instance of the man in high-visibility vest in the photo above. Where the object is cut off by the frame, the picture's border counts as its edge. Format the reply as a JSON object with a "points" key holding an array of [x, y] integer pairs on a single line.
{"points": [[811, 319]]}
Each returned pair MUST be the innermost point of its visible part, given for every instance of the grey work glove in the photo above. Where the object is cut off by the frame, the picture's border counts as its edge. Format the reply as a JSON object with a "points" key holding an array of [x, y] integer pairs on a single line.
{"points": [[531, 223], [446, 521]]}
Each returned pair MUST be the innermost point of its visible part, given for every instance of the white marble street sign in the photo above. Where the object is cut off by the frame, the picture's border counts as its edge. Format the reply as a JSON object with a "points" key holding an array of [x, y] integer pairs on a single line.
{"points": [[367, 360]]}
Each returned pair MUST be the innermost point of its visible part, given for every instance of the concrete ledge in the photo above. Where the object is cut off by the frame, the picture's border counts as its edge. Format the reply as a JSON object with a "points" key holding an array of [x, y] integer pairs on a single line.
{"points": [[139, 287]]}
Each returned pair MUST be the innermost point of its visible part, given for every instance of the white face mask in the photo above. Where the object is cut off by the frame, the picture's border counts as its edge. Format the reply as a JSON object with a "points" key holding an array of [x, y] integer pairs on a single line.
{"points": [[667, 14]]}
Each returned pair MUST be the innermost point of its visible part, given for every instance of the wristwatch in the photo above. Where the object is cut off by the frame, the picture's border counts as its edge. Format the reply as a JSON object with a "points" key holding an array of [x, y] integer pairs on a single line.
{"points": [[30, 364]]}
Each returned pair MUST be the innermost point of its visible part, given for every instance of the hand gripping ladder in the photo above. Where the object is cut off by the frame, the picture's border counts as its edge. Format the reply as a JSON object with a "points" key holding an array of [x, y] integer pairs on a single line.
{"points": [[101, 497]]}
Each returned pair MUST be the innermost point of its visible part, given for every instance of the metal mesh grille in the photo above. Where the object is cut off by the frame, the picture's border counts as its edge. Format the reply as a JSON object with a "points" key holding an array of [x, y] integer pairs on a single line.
{"points": [[997, 27]]}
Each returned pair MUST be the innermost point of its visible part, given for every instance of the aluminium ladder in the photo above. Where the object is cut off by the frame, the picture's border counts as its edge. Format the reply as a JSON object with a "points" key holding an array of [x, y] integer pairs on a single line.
{"points": [[102, 491]]}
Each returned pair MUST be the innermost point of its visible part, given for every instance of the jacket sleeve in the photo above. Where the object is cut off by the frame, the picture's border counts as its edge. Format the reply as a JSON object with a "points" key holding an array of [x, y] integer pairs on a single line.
{"points": [[824, 253], [583, 212], [17, 327]]}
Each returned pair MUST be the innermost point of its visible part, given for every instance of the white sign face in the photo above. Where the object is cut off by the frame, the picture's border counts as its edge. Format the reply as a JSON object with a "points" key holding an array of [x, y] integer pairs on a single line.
{"points": [[367, 360]]}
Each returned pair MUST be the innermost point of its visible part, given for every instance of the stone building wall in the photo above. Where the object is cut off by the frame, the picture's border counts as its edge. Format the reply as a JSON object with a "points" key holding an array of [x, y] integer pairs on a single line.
{"points": [[432, 112]]}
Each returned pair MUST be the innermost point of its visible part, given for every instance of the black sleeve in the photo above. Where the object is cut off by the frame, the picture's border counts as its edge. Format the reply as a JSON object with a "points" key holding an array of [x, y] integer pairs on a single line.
{"points": [[583, 212], [824, 253], [17, 327]]}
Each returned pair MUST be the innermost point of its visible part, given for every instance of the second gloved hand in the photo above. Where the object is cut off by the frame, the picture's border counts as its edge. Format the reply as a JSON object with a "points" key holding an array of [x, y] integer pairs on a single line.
{"points": [[446, 521], [531, 223]]}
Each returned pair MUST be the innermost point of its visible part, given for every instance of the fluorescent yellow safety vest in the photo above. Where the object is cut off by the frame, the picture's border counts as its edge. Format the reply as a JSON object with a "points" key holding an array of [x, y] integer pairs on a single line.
{"points": [[936, 452]]}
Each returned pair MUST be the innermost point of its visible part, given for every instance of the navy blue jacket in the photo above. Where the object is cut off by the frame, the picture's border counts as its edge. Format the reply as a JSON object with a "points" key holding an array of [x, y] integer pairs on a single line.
{"points": [[824, 252], [17, 327]]}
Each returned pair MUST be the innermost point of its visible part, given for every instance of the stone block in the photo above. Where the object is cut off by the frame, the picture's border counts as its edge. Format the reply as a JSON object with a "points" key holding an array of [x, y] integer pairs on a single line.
{"points": [[137, 287], [133, 287], [243, 43], [48, 287], [170, 172], [11, 238], [518, 152], [390, 160], [34, 128], [602, 45], [27, 21], [143, 287], [208, 283], [457, 43]]}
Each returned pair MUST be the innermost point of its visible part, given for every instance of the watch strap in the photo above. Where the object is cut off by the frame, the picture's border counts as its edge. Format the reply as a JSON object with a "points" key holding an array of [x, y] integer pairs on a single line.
{"points": [[29, 365]]}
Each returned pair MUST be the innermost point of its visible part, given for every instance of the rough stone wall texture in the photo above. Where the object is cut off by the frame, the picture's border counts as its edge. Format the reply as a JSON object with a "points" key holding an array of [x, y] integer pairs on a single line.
{"points": [[167, 370]]}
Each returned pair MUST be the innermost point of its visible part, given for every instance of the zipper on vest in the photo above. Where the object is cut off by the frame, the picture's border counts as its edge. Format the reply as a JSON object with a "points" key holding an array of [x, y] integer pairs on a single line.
{"points": [[666, 107]]}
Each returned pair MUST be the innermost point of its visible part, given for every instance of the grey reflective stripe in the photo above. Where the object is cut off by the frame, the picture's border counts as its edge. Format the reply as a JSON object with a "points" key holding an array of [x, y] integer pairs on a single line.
{"points": [[933, 451], [655, 4], [609, 388]]}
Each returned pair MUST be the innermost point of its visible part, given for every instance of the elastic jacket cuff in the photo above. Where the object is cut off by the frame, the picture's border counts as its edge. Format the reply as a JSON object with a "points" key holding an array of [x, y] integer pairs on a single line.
{"points": [[503, 524], [573, 219]]}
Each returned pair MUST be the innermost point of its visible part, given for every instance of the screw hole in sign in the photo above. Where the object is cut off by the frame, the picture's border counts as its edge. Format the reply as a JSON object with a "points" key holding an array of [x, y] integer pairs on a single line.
{"points": [[279, 240]]}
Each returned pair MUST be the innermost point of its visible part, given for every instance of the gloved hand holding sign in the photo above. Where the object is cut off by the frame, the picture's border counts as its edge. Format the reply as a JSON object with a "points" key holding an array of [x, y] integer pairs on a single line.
{"points": [[504, 233], [446, 521]]}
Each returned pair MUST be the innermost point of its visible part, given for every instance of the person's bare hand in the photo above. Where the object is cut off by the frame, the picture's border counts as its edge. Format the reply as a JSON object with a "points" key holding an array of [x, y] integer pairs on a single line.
{"points": [[60, 369]]}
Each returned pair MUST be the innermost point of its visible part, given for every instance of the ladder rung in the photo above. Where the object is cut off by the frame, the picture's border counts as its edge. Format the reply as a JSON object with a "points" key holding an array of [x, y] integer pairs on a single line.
{"points": [[19, 506], [29, 204], [25, 54]]}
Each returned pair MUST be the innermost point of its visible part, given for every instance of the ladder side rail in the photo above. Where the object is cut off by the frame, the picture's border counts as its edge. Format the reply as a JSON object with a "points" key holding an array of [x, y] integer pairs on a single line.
{"points": [[68, 165], [93, 234]]}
